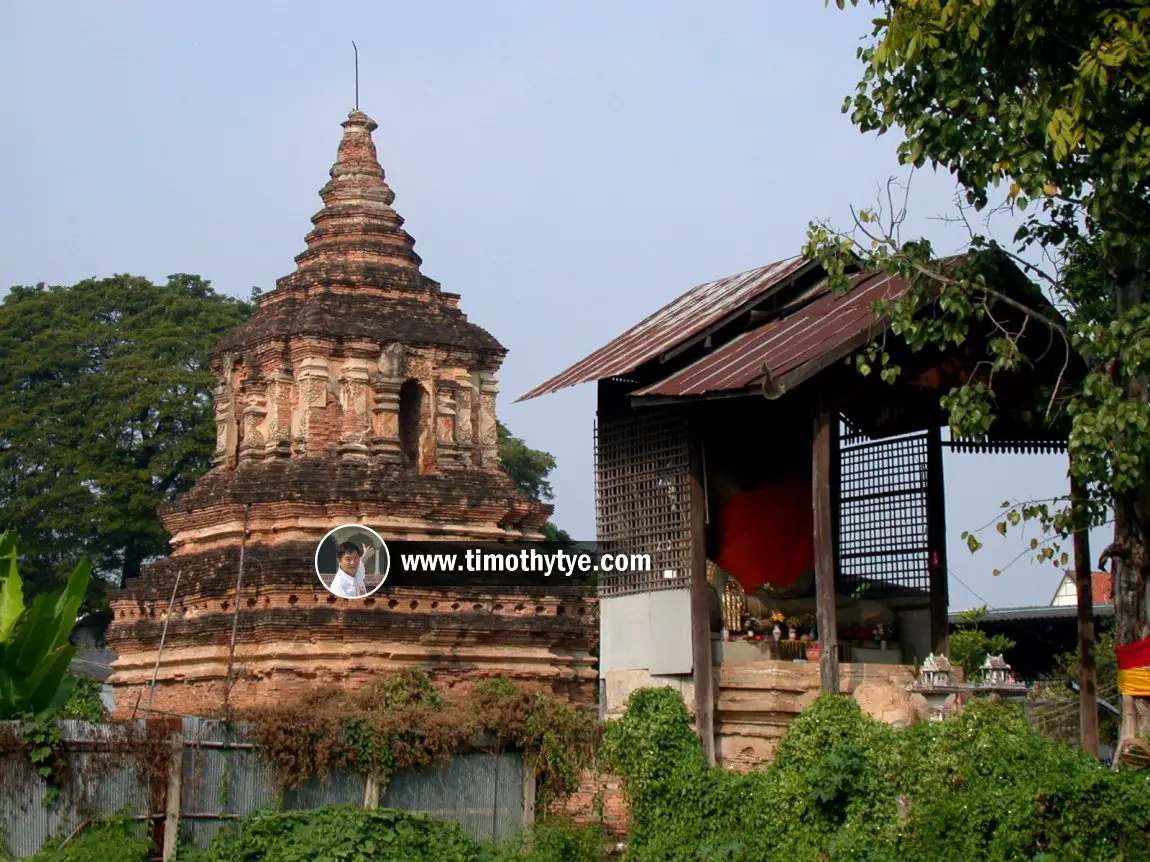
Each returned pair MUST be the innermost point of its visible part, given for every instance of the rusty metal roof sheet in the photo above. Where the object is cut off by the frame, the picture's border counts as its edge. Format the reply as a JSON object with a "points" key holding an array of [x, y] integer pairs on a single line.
{"points": [[690, 314], [791, 345]]}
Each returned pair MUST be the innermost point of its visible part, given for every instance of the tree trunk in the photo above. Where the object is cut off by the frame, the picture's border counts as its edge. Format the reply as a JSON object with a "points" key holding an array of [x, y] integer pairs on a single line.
{"points": [[133, 561], [1131, 548], [1130, 618]]}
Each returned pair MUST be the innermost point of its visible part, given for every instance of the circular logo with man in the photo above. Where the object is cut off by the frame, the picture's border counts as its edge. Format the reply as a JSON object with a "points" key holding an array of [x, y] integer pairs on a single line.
{"points": [[352, 561]]}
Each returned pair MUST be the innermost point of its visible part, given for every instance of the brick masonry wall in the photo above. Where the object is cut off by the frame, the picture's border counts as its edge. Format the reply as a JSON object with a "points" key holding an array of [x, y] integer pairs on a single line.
{"points": [[598, 800]]}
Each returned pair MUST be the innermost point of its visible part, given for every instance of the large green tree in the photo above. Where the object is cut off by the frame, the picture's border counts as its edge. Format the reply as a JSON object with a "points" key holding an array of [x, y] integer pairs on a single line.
{"points": [[1045, 100], [530, 469], [105, 414]]}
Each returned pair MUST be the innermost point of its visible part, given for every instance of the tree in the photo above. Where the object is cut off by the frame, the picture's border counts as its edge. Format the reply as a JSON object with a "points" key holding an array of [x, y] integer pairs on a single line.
{"points": [[530, 469], [970, 645], [35, 646], [1047, 97], [105, 414]]}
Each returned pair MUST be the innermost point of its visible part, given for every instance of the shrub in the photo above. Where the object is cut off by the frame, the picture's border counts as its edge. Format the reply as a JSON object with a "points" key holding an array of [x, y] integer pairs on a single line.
{"points": [[86, 702], [345, 833], [349, 834], [983, 785], [114, 840], [553, 840]]}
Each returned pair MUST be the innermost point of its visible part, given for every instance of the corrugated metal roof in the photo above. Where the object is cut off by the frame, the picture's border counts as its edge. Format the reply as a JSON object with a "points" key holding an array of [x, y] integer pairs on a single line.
{"points": [[1038, 612], [693, 312], [787, 343]]}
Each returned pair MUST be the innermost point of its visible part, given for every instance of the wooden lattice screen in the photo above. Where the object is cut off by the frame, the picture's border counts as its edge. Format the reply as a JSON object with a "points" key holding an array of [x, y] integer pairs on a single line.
{"points": [[883, 538], [643, 500]]}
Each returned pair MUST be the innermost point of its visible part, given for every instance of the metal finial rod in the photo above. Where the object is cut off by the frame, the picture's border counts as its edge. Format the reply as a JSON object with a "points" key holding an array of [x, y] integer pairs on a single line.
{"points": [[356, 49]]}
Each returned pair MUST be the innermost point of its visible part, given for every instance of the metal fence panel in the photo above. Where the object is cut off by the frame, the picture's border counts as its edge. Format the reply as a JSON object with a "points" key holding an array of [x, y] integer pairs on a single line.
{"points": [[343, 786], [224, 778], [482, 792], [25, 821], [100, 784]]}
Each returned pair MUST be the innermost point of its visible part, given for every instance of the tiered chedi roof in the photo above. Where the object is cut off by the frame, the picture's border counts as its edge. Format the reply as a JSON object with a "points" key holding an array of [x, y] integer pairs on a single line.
{"points": [[357, 392], [359, 374]]}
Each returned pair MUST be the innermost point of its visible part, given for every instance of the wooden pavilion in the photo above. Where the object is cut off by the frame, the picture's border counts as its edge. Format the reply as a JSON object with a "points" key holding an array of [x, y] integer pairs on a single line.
{"points": [[748, 385]]}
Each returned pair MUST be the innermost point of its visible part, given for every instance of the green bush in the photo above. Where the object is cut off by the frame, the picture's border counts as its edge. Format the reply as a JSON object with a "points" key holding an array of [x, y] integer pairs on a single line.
{"points": [[86, 702], [113, 840], [346, 833], [551, 841], [982, 785]]}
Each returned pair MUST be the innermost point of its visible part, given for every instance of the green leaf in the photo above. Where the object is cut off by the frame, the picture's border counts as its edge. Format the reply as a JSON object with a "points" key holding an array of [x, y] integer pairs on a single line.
{"points": [[11, 605]]}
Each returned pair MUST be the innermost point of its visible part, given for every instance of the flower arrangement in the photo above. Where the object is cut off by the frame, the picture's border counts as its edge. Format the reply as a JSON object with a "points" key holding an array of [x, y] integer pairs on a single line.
{"points": [[883, 632]]}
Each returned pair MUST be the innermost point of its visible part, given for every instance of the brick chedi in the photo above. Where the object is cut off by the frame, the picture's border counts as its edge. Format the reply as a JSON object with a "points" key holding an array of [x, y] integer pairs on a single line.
{"points": [[357, 392]]}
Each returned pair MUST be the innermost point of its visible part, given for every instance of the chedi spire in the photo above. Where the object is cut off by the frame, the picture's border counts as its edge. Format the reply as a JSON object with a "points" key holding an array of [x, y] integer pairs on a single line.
{"points": [[357, 231]]}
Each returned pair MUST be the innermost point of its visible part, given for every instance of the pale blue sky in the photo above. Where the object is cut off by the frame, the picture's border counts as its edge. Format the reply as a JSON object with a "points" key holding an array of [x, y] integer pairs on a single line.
{"points": [[567, 167]]}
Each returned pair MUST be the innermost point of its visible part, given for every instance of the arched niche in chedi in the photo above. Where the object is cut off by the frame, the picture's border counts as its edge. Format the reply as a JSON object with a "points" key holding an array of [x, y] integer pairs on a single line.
{"points": [[357, 393]]}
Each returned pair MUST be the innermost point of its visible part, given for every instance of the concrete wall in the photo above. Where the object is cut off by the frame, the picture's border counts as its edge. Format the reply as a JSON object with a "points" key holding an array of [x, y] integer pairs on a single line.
{"points": [[648, 631], [645, 641]]}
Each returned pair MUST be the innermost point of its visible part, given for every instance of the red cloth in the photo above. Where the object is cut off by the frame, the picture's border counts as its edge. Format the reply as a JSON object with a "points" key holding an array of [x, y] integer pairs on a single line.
{"points": [[767, 536], [1134, 655]]}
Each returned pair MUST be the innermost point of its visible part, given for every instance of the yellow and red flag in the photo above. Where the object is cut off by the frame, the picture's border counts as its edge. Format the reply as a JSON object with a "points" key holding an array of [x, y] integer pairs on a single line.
{"points": [[1134, 668]]}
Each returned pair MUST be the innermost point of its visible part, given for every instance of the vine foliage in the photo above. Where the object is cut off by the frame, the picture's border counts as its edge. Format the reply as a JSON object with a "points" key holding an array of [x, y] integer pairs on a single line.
{"points": [[982, 785], [403, 722]]}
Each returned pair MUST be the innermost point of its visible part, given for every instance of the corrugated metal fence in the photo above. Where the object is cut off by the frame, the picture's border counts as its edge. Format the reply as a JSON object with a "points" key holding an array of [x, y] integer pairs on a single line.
{"points": [[222, 777]]}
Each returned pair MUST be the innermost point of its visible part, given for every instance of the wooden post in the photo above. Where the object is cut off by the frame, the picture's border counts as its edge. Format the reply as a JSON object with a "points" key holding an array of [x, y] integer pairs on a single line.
{"points": [[1087, 673], [529, 779], [372, 790], [156, 729], [172, 802], [936, 540], [825, 433], [703, 675]]}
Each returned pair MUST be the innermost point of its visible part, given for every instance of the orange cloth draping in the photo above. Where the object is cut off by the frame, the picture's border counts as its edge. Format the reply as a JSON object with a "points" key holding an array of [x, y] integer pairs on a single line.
{"points": [[1134, 668], [766, 536]]}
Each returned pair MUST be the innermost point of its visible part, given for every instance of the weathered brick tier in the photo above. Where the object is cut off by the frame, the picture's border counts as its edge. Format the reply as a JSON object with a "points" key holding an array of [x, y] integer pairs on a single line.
{"points": [[291, 500], [391, 307], [291, 634], [358, 392]]}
